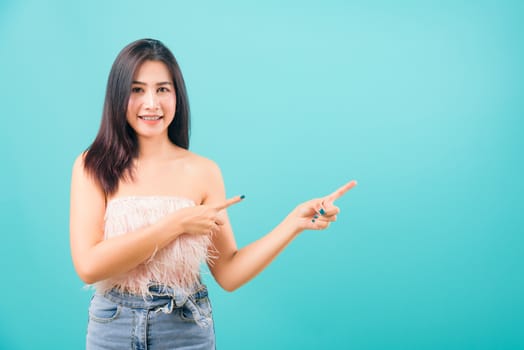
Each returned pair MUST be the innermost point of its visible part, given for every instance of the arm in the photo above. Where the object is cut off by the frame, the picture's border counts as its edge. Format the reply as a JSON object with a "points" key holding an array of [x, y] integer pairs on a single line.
{"points": [[96, 259], [234, 267]]}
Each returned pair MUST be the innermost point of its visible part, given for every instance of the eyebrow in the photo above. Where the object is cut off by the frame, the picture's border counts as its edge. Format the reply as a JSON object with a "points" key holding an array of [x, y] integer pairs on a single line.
{"points": [[160, 83]]}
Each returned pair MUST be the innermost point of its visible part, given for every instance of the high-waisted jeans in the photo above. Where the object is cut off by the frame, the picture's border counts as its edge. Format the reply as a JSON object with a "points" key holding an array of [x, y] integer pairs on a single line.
{"points": [[167, 319]]}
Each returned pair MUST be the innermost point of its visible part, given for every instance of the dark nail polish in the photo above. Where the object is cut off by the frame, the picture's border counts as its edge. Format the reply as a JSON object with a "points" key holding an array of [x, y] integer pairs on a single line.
{"points": [[316, 216], [321, 211], [242, 197], [313, 220]]}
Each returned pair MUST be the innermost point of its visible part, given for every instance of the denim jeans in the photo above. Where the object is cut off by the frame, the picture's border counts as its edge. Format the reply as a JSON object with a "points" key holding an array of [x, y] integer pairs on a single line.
{"points": [[168, 319]]}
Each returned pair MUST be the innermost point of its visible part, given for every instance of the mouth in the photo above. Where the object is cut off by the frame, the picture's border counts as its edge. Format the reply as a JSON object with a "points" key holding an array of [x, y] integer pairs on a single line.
{"points": [[150, 118]]}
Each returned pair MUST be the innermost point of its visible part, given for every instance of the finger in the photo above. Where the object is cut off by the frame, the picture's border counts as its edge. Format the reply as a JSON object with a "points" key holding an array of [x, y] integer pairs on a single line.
{"points": [[319, 208], [214, 229], [331, 212], [329, 209], [219, 221], [318, 224], [229, 202], [341, 191], [331, 218]]}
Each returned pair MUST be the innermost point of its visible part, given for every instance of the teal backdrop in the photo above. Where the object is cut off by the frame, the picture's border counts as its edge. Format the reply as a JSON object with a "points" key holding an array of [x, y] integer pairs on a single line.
{"points": [[422, 102]]}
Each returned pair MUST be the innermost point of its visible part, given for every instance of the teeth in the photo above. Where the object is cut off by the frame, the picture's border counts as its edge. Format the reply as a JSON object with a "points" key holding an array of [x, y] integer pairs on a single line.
{"points": [[150, 118]]}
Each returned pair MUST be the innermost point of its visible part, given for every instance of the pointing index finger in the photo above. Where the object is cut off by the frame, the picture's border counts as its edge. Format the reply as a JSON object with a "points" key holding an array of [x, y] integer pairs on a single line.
{"points": [[229, 202], [341, 191]]}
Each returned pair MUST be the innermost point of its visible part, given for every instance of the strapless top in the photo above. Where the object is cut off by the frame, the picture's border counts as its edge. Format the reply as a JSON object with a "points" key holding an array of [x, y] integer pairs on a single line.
{"points": [[176, 265]]}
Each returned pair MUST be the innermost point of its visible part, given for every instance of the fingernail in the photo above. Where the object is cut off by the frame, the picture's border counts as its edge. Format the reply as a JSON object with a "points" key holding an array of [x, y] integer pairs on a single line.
{"points": [[321, 211], [313, 220], [316, 216], [242, 197]]}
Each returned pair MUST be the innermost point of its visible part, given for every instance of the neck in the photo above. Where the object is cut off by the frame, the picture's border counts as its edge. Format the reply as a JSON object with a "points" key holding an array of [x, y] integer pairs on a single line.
{"points": [[157, 148]]}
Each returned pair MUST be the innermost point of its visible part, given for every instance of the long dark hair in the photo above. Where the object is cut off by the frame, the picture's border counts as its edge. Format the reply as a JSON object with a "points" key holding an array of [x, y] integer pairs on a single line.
{"points": [[110, 156]]}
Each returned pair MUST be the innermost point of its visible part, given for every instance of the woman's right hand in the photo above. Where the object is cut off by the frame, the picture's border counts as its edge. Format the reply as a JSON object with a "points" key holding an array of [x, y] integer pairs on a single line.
{"points": [[203, 219]]}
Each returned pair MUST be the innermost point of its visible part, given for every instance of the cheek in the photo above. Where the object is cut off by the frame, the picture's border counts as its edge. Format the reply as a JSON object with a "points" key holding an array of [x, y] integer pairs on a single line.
{"points": [[173, 101], [133, 106], [132, 103], [131, 110], [170, 103]]}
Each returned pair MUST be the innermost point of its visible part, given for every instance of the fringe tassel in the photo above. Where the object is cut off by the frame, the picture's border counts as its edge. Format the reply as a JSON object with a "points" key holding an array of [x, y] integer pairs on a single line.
{"points": [[176, 265]]}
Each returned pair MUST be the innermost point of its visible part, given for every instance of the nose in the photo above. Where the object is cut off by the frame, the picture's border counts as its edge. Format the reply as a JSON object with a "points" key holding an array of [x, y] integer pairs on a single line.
{"points": [[151, 100]]}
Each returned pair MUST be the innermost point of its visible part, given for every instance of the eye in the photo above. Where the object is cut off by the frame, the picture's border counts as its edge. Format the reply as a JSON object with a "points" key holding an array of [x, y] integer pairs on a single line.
{"points": [[163, 89], [136, 89]]}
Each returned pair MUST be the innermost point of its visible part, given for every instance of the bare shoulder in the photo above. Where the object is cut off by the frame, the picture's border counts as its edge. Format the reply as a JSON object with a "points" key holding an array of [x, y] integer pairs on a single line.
{"points": [[208, 177], [79, 170], [78, 165], [82, 181], [202, 165]]}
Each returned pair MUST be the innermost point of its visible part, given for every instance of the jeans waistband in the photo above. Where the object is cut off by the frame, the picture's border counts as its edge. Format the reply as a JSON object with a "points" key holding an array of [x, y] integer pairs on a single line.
{"points": [[162, 298], [158, 295]]}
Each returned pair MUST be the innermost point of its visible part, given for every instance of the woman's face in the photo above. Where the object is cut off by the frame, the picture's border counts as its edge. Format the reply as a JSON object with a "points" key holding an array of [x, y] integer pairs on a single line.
{"points": [[152, 102]]}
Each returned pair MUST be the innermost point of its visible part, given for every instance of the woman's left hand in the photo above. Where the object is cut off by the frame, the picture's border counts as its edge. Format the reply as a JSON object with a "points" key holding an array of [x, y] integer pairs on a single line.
{"points": [[317, 214]]}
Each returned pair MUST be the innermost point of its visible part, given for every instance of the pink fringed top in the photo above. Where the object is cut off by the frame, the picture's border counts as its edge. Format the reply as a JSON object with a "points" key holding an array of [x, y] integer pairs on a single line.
{"points": [[175, 265]]}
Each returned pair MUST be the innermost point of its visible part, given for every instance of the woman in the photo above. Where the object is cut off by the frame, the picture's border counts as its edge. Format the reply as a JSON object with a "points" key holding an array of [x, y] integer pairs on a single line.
{"points": [[146, 212]]}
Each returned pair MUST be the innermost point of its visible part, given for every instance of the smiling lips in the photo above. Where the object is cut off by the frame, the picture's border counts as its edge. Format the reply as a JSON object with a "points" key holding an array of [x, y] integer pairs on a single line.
{"points": [[150, 119]]}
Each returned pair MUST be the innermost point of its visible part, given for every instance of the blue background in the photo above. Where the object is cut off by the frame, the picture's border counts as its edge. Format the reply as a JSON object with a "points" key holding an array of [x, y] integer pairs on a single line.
{"points": [[420, 101]]}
